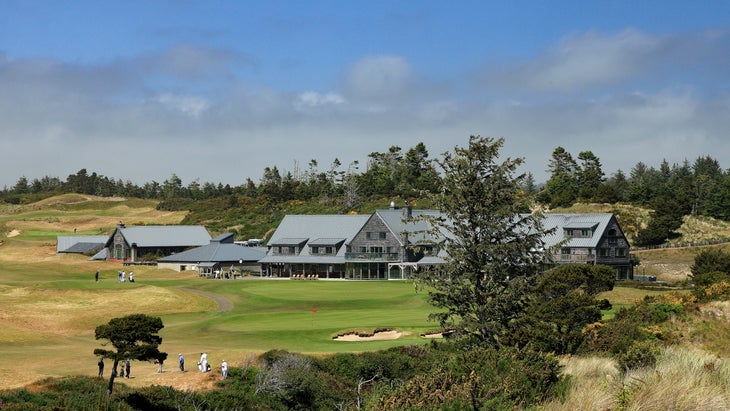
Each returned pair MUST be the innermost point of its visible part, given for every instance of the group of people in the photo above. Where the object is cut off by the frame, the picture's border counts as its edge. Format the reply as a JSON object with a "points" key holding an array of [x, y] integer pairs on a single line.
{"points": [[203, 366], [125, 366], [122, 276]]}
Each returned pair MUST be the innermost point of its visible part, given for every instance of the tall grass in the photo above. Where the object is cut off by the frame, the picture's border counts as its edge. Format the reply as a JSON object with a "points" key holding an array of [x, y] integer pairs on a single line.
{"points": [[683, 379]]}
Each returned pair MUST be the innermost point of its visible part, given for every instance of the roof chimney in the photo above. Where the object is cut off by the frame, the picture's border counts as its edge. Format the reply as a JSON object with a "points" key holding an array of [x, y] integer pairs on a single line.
{"points": [[407, 211]]}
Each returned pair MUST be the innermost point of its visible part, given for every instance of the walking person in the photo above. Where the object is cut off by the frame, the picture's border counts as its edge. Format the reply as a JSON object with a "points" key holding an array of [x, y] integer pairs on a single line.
{"points": [[129, 365], [224, 369], [182, 362], [121, 370], [101, 367], [131, 276], [96, 276], [203, 362]]}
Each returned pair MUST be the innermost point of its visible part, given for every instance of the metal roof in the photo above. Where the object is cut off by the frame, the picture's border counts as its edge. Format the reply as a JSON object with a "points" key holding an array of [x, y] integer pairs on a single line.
{"points": [[326, 241], [417, 230], [290, 241], [316, 227], [65, 242], [165, 235], [216, 252], [559, 221]]}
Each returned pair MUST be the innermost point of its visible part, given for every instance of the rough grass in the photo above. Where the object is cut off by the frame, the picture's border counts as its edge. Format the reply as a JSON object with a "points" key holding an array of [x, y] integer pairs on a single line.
{"points": [[683, 379]]}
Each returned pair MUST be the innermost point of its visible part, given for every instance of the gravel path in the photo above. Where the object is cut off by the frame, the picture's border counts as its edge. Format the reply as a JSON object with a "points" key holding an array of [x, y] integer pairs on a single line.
{"points": [[224, 304]]}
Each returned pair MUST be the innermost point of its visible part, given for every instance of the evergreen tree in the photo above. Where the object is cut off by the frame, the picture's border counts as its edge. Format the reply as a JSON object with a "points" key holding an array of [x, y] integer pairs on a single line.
{"points": [[590, 175], [494, 250], [561, 189]]}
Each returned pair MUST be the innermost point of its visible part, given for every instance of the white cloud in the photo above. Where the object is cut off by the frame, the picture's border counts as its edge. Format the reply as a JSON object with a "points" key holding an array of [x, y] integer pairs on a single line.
{"points": [[580, 61], [314, 99], [378, 78], [190, 105]]}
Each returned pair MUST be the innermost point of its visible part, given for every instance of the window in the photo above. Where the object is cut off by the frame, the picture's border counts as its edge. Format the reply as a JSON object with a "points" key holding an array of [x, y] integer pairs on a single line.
{"points": [[376, 249], [368, 235], [361, 249], [315, 250], [612, 241], [328, 250], [604, 252], [620, 252], [568, 232], [584, 233], [381, 235], [291, 250], [391, 249]]}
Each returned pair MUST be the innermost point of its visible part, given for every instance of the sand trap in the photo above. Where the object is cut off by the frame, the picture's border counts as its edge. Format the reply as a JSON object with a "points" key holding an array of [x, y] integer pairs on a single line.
{"points": [[14, 233], [377, 335], [437, 334]]}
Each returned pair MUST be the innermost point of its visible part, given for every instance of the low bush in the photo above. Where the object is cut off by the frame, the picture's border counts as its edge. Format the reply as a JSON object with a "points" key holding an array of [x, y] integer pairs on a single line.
{"points": [[639, 354]]}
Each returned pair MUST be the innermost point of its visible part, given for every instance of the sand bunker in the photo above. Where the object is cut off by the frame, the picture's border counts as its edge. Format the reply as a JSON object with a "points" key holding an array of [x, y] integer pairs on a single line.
{"points": [[377, 335], [13, 233]]}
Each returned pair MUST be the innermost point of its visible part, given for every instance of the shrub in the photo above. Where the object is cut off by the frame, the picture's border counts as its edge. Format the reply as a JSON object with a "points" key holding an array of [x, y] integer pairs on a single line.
{"points": [[639, 354], [481, 379]]}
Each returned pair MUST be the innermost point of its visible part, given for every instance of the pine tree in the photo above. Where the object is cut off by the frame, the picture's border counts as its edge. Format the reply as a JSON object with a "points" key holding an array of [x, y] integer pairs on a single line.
{"points": [[494, 247]]}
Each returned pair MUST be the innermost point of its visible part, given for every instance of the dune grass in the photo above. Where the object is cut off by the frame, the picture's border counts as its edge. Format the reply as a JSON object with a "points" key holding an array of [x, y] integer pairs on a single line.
{"points": [[683, 379]]}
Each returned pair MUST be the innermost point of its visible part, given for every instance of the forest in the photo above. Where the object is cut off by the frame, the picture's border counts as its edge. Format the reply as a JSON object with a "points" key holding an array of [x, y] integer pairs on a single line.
{"points": [[671, 191]]}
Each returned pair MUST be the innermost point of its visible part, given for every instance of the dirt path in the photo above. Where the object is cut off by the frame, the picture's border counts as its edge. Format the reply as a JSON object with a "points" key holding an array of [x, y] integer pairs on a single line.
{"points": [[224, 304]]}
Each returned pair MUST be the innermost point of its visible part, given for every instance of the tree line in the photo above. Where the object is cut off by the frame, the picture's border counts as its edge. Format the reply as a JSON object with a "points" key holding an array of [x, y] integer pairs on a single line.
{"points": [[672, 191]]}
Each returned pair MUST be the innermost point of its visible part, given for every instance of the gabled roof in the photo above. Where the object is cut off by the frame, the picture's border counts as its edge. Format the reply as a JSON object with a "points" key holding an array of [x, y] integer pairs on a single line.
{"points": [[216, 252], [326, 241], [163, 235], [417, 230], [101, 255], [289, 241], [598, 222], [80, 243], [316, 228]]}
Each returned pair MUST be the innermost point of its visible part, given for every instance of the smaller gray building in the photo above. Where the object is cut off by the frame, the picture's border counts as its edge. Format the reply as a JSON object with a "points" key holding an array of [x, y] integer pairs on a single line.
{"points": [[80, 244], [138, 243], [222, 257]]}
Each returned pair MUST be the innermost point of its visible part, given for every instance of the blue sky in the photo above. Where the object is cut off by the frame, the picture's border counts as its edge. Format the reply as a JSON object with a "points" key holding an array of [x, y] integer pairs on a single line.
{"points": [[218, 90]]}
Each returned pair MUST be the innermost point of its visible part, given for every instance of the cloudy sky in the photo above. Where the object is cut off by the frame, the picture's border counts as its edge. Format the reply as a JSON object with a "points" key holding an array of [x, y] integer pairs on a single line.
{"points": [[218, 90]]}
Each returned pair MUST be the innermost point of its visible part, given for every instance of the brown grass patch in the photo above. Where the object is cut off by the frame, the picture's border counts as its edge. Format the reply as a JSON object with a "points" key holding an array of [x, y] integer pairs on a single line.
{"points": [[76, 312]]}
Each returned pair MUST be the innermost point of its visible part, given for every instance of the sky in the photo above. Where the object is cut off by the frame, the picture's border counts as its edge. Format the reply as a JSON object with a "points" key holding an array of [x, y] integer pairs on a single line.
{"points": [[215, 91]]}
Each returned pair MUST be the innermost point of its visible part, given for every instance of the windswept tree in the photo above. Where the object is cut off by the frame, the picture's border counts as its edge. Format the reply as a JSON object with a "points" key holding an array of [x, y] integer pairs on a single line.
{"points": [[133, 337], [495, 246], [562, 188]]}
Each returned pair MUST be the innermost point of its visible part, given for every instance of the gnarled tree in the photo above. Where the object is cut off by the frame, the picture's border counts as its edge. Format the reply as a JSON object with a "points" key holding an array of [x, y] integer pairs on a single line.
{"points": [[133, 337]]}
